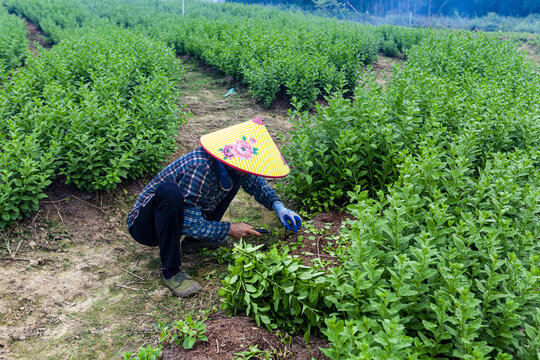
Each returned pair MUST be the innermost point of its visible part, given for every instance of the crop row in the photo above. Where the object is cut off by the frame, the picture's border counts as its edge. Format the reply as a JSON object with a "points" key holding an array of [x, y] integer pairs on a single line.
{"points": [[99, 107], [13, 42], [247, 43], [441, 171]]}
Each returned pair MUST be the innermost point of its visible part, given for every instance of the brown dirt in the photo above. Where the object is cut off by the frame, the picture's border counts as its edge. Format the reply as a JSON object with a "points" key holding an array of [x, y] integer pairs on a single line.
{"points": [[35, 35], [383, 69], [70, 256], [228, 336], [532, 53], [318, 240]]}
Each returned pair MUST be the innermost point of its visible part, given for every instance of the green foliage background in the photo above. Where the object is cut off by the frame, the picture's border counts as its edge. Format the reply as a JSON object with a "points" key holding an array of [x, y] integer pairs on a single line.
{"points": [[441, 171], [246, 43], [99, 107], [13, 42]]}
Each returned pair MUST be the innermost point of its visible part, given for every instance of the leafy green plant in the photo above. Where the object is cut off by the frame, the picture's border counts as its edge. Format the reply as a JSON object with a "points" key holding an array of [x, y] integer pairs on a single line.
{"points": [[13, 42], [441, 260], [222, 254], [144, 353], [26, 170], [244, 42], [96, 108], [276, 289], [185, 332]]}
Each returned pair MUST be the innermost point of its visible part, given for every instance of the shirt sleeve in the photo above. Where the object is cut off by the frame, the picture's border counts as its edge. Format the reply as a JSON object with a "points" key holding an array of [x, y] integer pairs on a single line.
{"points": [[197, 227], [196, 188], [257, 187]]}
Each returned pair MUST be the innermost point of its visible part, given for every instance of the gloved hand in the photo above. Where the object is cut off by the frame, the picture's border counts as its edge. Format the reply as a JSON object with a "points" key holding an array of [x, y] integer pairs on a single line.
{"points": [[288, 218]]}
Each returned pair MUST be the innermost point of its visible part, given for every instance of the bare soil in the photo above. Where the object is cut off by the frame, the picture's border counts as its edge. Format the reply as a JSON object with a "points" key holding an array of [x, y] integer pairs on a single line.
{"points": [[318, 239], [532, 53], [36, 36], [384, 69], [228, 336]]}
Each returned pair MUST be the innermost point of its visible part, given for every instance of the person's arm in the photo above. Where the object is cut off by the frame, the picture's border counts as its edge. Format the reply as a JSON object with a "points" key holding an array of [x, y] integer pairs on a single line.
{"points": [[197, 227], [257, 187], [196, 187]]}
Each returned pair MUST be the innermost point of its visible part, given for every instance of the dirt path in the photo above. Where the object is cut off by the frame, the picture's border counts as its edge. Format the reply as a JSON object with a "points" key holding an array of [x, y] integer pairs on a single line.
{"points": [[36, 37], [384, 69], [532, 53]]}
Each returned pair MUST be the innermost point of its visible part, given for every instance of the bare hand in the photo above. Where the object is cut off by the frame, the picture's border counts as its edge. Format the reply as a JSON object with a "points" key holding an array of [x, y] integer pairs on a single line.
{"points": [[240, 230]]}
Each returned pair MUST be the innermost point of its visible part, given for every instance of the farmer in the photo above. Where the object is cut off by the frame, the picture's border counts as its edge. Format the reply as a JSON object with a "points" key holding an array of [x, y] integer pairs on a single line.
{"points": [[190, 196]]}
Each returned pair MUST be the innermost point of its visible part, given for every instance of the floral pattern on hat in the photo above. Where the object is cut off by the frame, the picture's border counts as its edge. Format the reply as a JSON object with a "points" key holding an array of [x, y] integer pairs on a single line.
{"points": [[242, 149]]}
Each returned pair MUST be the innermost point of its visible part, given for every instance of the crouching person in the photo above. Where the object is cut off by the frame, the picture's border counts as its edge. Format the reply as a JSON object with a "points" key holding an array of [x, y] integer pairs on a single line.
{"points": [[190, 196]]}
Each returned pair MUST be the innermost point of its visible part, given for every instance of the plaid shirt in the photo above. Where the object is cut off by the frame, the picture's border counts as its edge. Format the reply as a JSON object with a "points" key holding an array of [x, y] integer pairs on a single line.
{"points": [[196, 176]]}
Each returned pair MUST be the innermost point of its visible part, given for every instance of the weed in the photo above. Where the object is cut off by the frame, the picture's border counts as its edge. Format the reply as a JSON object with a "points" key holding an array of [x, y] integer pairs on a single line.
{"points": [[144, 353], [185, 332]]}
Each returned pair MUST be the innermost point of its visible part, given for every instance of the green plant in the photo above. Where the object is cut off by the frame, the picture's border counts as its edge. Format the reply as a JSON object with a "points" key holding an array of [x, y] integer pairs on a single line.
{"points": [[13, 42], [277, 290], [222, 254], [255, 353], [148, 353], [244, 42], [441, 260], [248, 216], [96, 108], [185, 332]]}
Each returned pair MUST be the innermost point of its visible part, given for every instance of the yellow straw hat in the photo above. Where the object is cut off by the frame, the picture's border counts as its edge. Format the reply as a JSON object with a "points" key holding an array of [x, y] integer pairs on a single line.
{"points": [[247, 147]]}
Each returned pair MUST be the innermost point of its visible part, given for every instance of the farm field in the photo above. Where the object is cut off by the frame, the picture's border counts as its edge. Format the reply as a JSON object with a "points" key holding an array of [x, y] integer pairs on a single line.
{"points": [[414, 158], [63, 295]]}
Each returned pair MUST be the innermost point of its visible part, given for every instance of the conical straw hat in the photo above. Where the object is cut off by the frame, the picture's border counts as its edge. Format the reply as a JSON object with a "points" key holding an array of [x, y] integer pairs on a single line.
{"points": [[247, 147]]}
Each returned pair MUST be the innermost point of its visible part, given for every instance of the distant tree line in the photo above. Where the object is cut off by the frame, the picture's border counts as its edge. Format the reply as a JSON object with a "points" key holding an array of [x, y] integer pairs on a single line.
{"points": [[416, 7]]}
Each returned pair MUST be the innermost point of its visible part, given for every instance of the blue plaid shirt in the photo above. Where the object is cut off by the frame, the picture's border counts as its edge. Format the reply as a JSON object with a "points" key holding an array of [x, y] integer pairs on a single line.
{"points": [[196, 176]]}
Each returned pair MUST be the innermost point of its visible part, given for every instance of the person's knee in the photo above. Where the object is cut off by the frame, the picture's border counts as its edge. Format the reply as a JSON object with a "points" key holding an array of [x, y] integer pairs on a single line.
{"points": [[170, 194]]}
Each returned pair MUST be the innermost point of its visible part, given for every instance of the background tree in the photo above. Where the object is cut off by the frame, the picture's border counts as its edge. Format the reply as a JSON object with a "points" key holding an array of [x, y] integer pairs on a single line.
{"points": [[418, 7]]}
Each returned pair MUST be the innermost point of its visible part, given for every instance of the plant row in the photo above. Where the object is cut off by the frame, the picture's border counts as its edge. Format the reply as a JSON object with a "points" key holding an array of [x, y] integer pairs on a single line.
{"points": [[99, 107], [441, 172], [245, 42], [13, 42]]}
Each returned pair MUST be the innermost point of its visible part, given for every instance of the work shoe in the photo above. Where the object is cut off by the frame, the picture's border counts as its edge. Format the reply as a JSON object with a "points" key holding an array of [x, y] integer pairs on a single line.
{"points": [[181, 284], [192, 246]]}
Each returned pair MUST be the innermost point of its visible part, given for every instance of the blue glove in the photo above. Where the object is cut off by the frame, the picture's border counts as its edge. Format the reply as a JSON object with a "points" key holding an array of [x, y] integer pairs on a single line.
{"points": [[288, 218]]}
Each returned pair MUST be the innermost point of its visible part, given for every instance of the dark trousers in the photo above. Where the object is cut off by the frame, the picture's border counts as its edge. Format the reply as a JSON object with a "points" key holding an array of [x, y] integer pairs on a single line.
{"points": [[160, 222]]}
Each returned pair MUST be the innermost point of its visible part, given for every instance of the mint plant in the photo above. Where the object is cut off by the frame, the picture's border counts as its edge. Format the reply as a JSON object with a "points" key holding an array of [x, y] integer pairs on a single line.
{"points": [[97, 109], [243, 42], [441, 259], [13, 42], [144, 353], [275, 288]]}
